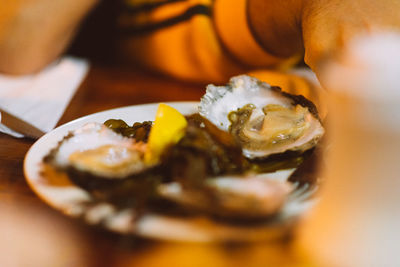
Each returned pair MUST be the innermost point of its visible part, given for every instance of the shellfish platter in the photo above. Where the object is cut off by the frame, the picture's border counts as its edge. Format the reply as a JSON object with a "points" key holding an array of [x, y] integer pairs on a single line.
{"points": [[226, 168]]}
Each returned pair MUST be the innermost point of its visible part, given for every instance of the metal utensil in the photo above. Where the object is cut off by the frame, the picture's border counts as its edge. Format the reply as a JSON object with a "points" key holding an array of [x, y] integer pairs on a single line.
{"points": [[20, 125]]}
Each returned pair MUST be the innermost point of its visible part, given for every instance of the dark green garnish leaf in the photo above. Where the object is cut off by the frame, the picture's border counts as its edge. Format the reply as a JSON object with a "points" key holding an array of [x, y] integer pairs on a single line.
{"points": [[116, 124], [139, 130]]}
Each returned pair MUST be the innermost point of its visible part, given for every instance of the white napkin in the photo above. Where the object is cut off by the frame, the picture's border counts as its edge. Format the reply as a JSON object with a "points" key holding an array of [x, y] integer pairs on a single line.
{"points": [[41, 99]]}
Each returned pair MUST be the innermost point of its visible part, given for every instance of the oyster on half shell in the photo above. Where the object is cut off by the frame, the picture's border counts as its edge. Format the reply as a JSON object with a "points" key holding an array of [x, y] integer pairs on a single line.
{"points": [[99, 151], [243, 196], [263, 118]]}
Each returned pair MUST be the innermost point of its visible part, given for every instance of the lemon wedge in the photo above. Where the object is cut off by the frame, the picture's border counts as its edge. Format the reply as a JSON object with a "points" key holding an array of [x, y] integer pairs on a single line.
{"points": [[168, 128]]}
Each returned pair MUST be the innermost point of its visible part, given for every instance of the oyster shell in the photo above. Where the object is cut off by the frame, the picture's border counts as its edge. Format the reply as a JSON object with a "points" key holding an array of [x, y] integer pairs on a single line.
{"points": [[264, 119]]}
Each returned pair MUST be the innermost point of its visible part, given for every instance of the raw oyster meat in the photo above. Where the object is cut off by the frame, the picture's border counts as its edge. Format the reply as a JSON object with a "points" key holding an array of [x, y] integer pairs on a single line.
{"points": [[263, 118], [99, 151]]}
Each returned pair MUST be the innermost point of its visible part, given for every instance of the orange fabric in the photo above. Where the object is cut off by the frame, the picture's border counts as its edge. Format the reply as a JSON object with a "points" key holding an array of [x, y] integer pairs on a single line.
{"points": [[232, 27], [200, 48], [158, 14]]}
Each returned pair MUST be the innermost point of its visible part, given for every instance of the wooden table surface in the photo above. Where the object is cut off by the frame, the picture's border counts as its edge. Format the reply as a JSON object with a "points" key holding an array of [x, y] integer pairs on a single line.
{"points": [[76, 244]]}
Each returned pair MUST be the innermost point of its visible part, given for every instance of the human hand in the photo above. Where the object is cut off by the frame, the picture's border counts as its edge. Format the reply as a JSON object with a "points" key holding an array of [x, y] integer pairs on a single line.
{"points": [[34, 33], [328, 25], [320, 28]]}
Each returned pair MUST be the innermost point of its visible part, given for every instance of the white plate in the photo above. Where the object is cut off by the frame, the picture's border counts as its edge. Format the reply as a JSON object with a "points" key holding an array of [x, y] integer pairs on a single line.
{"points": [[67, 197]]}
